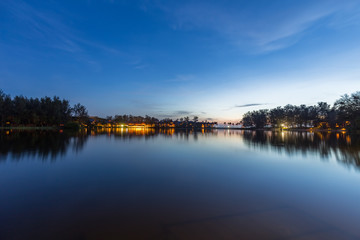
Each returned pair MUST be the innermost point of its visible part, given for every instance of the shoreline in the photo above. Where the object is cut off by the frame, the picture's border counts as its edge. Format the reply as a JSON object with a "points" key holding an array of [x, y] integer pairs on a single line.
{"points": [[220, 128]]}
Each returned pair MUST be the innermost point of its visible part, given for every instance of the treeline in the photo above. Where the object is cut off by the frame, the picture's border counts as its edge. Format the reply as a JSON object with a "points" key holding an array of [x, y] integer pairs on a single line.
{"points": [[184, 122], [133, 119], [44, 111], [147, 119], [345, 113]]}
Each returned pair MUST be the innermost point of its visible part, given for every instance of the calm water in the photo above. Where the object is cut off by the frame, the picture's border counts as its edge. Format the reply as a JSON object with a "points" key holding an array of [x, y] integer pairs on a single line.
{"points": [[222, 184]]}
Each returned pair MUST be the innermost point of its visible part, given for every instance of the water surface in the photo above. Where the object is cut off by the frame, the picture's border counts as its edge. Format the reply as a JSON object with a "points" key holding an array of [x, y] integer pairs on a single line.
{"points": [[145, 184]]}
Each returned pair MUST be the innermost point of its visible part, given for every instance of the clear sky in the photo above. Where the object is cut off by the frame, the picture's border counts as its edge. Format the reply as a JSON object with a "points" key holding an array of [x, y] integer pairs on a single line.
{"points": [[213, 59]]}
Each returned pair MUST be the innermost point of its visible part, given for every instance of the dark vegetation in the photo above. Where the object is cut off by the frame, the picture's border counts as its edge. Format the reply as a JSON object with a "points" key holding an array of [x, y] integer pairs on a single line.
{"points": [[46, 111], [21, 111], [345, 113]]}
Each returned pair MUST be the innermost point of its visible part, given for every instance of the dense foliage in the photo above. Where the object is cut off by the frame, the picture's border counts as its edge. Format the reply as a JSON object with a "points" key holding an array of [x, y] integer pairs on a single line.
{"points": [[45, 111], [344, 113]]}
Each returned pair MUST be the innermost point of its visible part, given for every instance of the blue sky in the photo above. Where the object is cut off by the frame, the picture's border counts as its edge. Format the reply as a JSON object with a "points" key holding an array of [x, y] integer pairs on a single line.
{"points": [[213, 59]]}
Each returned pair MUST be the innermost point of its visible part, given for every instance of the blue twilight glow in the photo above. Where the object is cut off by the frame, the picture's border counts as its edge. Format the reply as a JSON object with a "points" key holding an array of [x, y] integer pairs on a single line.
{"points": [[215, 59]]}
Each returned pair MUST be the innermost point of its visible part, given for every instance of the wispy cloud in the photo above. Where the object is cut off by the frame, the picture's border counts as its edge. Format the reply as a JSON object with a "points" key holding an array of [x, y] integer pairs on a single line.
{"points": [[48, 28], [182, 112], [177, 114], [249, 105], [141, 66], [245, 106], [244, 25], [182, 78]]}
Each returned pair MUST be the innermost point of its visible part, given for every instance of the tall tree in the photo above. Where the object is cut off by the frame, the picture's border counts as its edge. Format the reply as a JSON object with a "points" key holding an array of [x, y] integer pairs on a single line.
{"points": [[80, 112]]}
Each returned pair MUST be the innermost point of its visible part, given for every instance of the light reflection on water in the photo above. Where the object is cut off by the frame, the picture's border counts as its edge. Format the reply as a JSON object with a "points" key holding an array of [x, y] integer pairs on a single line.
{"points": [[51, 144], [167, 184]]}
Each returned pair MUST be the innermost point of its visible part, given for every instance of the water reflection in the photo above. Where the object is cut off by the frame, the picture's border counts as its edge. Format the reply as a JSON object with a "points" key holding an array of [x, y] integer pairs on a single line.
{"points": [[46, 145], [172, 184], [344, 147], [39, 144]]}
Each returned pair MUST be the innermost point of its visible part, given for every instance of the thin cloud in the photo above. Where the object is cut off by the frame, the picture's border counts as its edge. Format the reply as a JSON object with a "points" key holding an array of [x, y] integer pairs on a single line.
{"points": [[175, 114], [242, 27], [49, 29], [245, 105], [142, 66], [43, 27], [182, 78], [249, 105], [182, 112]]}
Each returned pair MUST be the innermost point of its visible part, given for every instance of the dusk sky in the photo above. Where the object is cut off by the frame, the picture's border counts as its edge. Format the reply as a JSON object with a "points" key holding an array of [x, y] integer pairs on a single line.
{"points": [[213, 59]]}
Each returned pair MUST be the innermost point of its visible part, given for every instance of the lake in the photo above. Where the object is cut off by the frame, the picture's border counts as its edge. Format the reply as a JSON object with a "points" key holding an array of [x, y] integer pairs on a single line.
{"points": [[147, 184]]}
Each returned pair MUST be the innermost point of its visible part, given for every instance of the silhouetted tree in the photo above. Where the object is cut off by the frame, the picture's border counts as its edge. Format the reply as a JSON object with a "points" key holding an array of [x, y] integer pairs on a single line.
{"points": [[345, 112], [348, 110], [80, 113], [39, 112]]}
